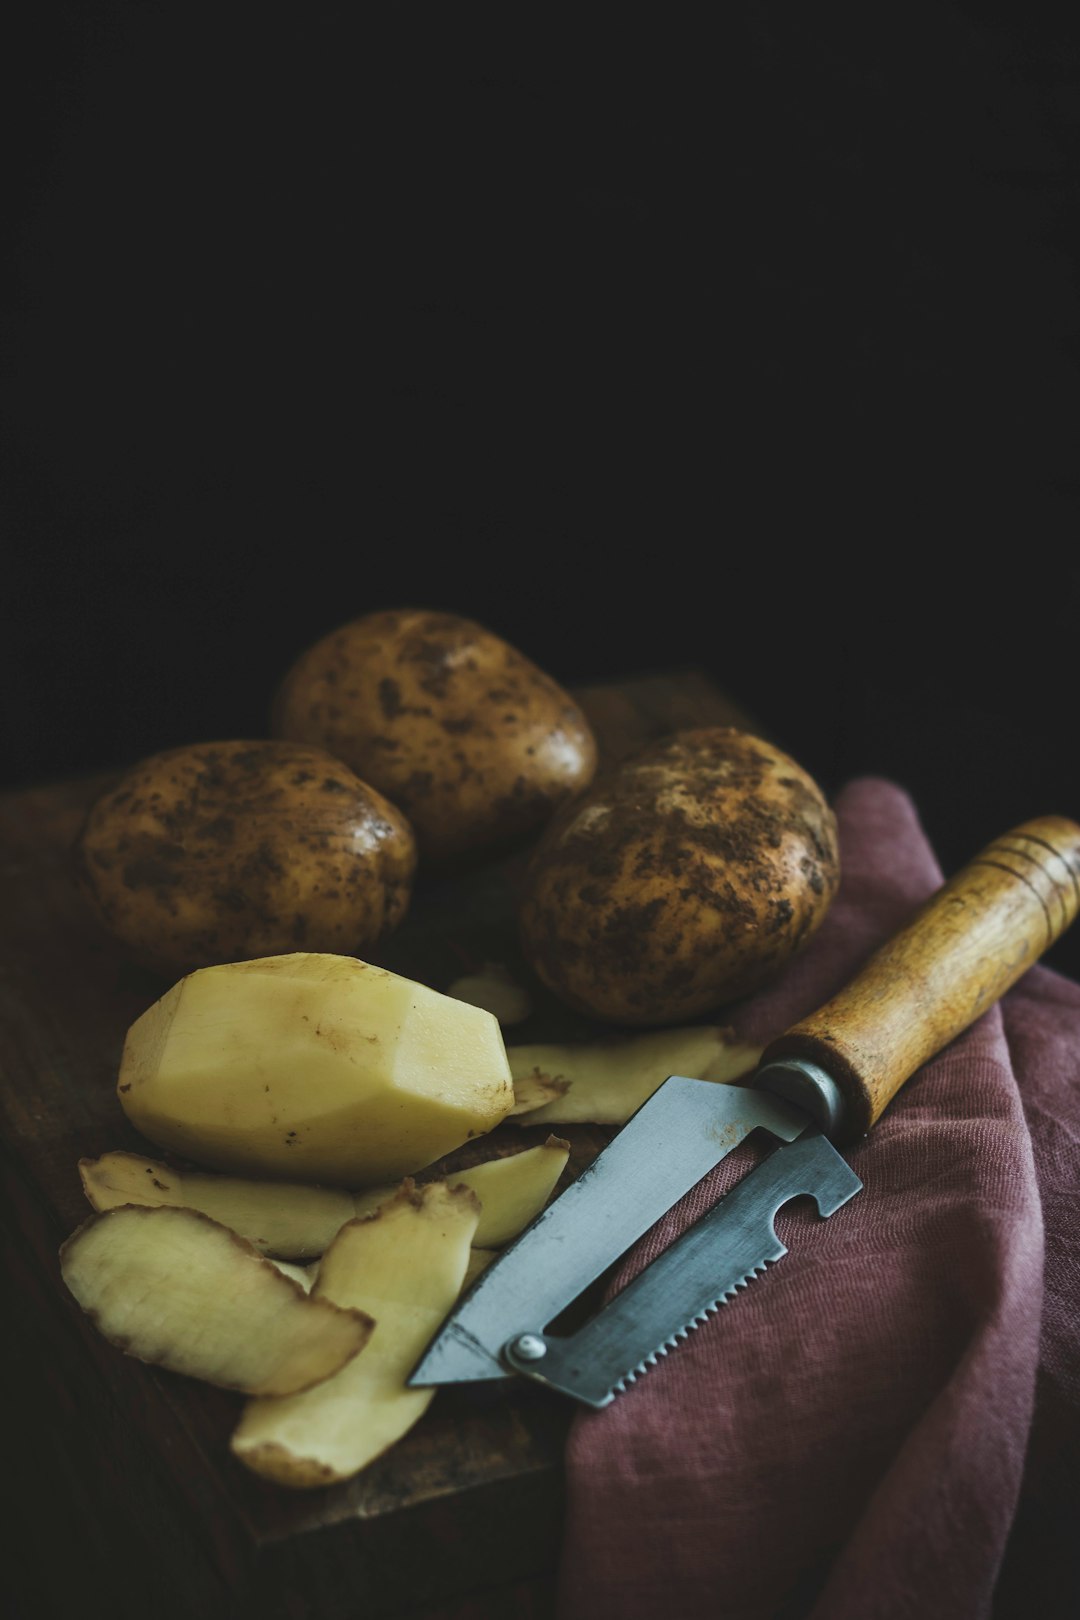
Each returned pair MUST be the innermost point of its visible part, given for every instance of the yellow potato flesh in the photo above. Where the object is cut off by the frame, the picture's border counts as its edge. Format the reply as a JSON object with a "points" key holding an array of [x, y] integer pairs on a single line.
{"points": [[479, 1260], [607, 1081], [172, 1287], [280, 1218], [304, 1275], [496, 990], [404, 1267], [513, 1190], [295, 1222], [315, 1068], [535, 1089]]}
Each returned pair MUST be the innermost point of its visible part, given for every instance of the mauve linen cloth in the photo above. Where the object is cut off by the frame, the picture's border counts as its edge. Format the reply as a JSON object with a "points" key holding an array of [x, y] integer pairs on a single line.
{"points": [[887, 1423]]}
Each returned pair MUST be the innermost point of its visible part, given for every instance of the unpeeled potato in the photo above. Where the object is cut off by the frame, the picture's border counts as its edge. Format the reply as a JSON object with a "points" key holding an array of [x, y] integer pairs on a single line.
{"points": [[683, 880], [226, 851], [475, 744]]}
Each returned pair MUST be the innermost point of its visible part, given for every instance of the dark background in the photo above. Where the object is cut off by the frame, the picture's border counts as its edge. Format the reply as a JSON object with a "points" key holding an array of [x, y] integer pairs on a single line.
{"points": [[744, 342]]}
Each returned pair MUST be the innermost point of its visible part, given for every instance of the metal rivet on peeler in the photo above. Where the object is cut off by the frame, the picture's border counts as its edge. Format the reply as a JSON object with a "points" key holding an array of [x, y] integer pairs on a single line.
{"points": [[528, 1347]]}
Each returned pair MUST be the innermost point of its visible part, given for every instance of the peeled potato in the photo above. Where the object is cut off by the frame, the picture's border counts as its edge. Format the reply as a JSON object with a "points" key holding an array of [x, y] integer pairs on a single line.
{"points": [[313, 1067], [172, 1287], [604, 1082], [405, 1265], [474, 743], [225, 851]]}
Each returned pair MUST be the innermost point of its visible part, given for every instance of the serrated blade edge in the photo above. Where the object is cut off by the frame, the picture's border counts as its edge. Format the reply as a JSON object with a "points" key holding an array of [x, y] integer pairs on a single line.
{"points": [[723, 1253], [682, 1131], [684, 1332]]}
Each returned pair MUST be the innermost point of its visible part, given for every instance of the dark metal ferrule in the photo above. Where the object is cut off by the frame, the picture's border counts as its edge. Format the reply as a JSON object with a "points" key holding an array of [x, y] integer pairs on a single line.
{"points": [[806, 1085]]}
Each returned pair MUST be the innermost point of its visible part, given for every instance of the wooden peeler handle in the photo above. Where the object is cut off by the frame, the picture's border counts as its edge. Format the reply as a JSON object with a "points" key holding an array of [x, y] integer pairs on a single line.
{"points": [[960, 953]]}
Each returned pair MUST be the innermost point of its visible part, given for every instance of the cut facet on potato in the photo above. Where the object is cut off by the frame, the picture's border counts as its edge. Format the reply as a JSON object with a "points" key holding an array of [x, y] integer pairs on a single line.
{"points": [[404, 1266], [496, 990], [285, 1219], [312, 1067], [535, 1090], [607, 1081], [173, 1287]]}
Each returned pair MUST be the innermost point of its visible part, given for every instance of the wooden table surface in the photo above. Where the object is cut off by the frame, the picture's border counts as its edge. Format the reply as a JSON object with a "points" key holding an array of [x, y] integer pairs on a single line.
{"points": [[127, 1496]]}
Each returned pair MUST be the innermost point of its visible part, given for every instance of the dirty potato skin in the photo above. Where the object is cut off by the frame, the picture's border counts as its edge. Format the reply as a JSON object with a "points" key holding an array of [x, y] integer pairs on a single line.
{"points": [[683, 880], [232, 850], [468, 737]]}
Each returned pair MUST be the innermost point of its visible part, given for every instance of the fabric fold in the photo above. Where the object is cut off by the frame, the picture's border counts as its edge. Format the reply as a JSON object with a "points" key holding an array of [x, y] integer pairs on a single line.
{"points": [[848, 1438]]}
